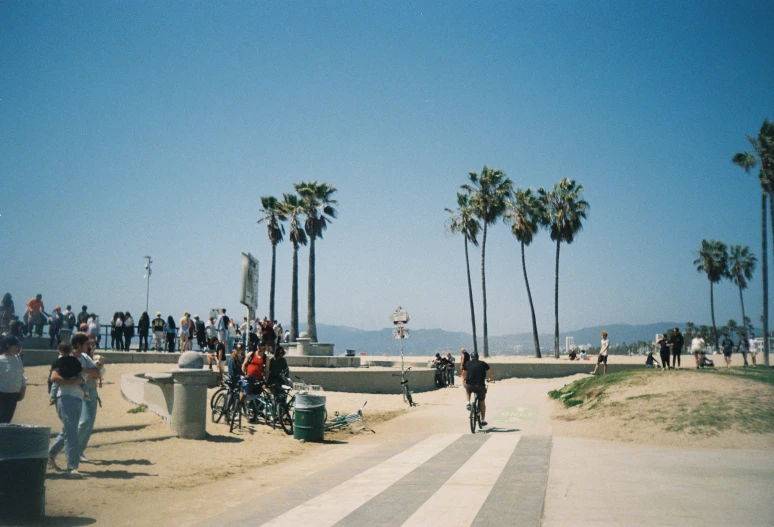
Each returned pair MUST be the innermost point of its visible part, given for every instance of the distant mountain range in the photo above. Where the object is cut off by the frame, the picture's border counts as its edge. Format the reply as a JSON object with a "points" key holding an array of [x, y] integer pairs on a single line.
{"points": [[432, 341]]}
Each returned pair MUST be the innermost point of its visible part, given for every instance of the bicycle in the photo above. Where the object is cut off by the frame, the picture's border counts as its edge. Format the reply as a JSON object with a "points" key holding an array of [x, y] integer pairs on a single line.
{"points": [[404, 387], [475, 412], [282, 407], [343, 422], [221, 400]]}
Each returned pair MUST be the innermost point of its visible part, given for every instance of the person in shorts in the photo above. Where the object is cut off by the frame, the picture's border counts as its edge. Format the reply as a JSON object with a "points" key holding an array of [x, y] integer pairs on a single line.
{"points": [[728, 349], [475, 381], [159, 328], [602, 357], [752, 349]]}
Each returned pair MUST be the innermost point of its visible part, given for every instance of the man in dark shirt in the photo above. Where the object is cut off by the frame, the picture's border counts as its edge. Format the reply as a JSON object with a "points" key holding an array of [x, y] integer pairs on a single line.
{"points": [[475, 381], [676, 343]]}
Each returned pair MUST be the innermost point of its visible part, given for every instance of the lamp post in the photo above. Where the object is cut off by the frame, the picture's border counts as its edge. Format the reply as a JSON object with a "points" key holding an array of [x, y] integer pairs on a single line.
{"points": [[147, 277]]}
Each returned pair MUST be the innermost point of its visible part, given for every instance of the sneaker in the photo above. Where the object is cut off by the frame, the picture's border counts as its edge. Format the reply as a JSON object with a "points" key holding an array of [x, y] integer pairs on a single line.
{"points": [[483, 424], [84, 459], [74, 474], [467, 407]]}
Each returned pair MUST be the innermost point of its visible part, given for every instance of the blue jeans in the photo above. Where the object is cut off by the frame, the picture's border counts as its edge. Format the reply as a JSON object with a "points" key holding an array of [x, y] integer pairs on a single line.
{"points": [[230, 346], [88, 416], [69, 410]]}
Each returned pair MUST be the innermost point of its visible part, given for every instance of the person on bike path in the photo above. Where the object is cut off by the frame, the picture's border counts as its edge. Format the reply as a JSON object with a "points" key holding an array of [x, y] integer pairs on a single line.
{"points": [[475, 381]]}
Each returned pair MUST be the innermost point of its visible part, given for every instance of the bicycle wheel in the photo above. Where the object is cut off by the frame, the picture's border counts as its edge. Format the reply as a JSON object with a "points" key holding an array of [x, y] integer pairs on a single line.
{"points": [[219, 405], [235, 414], [285, 420], [473, 415], [218, 392]]}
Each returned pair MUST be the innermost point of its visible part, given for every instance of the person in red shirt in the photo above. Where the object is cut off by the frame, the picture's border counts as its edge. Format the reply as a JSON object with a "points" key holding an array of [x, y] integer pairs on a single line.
{"points": [[255, 370]]}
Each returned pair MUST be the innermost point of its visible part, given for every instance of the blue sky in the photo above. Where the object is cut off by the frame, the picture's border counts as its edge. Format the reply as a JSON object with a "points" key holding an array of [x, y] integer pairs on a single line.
{"points": [[134, 128]]}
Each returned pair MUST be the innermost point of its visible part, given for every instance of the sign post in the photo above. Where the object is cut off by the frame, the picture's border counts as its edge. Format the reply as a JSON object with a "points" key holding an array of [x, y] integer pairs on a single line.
{"points": [[249, 287], [400, 318]]}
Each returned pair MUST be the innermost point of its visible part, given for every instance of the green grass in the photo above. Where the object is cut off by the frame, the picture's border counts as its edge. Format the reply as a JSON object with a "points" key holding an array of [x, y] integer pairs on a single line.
{"points": [[760, 374], [140, 408], [592, 389]]}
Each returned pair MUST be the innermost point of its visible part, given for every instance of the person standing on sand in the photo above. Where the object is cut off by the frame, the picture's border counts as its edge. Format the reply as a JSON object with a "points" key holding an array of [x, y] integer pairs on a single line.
{"points": [[743, 346], [602, 357], [752, 349], [13, 383], [676, 343], [697, 346], [663, 351]]}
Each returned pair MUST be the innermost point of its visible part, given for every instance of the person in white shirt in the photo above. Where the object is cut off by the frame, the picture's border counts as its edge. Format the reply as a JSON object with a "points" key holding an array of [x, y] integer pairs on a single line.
{"points": [[697, 348], [602, 357], [13, 384], [752, 350]]}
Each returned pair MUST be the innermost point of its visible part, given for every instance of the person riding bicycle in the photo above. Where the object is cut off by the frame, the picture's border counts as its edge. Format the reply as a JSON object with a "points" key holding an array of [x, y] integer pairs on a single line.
{"points": [[475, 381]]}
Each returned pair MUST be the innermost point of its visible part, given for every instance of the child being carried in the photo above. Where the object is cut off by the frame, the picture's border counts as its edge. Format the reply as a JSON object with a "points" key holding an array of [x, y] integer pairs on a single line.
{"points": [[69, 367]]}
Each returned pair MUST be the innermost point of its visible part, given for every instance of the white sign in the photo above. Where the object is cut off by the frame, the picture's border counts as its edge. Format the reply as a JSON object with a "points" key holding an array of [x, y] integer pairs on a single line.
{"points": [[249, 287], [400, 333], [400, 316]]}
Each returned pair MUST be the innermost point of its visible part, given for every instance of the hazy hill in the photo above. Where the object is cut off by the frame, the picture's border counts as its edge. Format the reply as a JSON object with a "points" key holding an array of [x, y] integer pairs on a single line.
{"points": [[431, 341]]}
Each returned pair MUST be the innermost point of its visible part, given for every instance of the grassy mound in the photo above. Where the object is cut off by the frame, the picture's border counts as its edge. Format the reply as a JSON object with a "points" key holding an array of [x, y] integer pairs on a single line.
{"points": [[650, 406]]}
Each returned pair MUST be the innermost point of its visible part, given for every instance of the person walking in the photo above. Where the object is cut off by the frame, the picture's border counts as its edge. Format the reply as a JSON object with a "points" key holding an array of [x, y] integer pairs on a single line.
{"points": [[90, 404], [752, 349], [143, 328], [602, 357], [676, 343], [128, 331], [13, 384], [743, 346], [728, 349]]}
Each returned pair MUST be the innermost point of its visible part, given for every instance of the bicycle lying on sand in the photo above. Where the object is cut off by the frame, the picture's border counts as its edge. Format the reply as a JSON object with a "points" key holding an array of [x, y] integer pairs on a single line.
{"points": [[352, 421]]}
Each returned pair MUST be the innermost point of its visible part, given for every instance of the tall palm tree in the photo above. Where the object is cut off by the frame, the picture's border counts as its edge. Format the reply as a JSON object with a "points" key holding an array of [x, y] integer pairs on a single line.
{"points": [[741, 265], [713, 261], [488, 193], [464, 221], [273, 215], [565, 212], [292, 208], [318, 202], [524, 213], [763, 145]]}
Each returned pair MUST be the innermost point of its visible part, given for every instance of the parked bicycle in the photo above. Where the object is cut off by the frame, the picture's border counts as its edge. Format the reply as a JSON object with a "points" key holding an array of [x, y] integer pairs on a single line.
{"points": [[404, 387]]}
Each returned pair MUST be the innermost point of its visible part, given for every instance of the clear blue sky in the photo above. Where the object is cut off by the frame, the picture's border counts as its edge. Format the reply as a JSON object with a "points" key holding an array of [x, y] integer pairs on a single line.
{"points": [[134, 128]]}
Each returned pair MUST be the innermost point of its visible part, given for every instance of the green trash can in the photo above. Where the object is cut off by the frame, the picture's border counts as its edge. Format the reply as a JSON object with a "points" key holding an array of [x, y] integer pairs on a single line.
{"points": [[23, 458], [309, 422]]}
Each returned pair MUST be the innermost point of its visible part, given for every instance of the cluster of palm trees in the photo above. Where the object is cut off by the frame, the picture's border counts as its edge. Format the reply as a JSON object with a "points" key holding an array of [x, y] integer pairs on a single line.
{"points": [[763, 156], [308, 212], [717, 261], [490, 196]]}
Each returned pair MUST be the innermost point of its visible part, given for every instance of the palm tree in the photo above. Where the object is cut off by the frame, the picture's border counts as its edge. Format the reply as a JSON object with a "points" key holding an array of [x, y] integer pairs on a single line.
{"points": [[292, 208], [524, 213], [318, 204], [741, 264], [273, 215], [565, 212], [488, 193], [464, 221], [713, 261], [763, 146], [690, 328]]}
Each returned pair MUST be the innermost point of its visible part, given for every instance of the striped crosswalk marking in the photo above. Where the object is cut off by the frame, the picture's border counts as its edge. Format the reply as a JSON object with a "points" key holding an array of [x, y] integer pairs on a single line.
{"points": [[329, 507], [465, 492]]}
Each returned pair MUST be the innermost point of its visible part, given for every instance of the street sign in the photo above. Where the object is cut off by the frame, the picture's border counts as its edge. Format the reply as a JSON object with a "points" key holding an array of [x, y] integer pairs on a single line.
{"points": [[400, 333], [249, 286], [400, 316]]}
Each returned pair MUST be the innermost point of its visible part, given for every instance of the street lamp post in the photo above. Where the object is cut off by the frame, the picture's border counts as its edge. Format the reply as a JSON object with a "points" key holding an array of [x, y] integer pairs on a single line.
{"points": [[147, 277]]}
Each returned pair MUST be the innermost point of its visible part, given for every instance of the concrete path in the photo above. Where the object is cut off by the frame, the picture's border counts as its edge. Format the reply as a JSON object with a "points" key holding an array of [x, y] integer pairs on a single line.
{"points": [[514, 474]]}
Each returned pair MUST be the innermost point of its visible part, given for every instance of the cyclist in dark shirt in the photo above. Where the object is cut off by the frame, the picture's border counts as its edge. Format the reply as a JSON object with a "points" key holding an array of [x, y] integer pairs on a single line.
{"points": [[475, 381]]}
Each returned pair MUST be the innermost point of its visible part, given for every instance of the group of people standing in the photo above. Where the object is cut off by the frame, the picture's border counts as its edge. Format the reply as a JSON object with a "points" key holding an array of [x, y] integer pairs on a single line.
{"points": [[673, 345]]}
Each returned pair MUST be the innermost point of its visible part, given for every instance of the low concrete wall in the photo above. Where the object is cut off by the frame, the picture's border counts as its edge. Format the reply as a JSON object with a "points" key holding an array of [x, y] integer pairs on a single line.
{"points": [[33, 357], [370, 380], [157, 395], [323, 362]]}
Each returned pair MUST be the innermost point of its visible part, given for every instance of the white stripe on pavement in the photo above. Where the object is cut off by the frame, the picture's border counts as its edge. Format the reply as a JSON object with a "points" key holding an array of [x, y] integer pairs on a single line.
{"points": [[329, 507], [458, 501]]}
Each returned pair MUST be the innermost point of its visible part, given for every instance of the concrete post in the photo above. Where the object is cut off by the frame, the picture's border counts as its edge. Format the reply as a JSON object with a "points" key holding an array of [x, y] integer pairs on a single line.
{"points": [[302, 346], [189, 410]]}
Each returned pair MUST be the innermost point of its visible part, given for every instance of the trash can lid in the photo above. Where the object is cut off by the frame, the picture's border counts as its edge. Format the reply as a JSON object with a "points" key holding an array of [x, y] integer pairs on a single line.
{"points": [[305, 401], [24, 441]]}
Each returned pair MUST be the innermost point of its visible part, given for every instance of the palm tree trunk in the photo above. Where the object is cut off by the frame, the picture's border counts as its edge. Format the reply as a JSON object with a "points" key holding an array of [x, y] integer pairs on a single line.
{"points": [[273, 279], [556, 304], [712, 311], [470, 294], [294, 298], [741, 300], [765, 271], [531, 306], [311, 319], [483, 288]]}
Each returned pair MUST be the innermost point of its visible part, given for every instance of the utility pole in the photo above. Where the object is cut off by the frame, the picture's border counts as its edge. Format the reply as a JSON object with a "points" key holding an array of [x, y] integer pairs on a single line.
{"points": [[147, 277]]}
